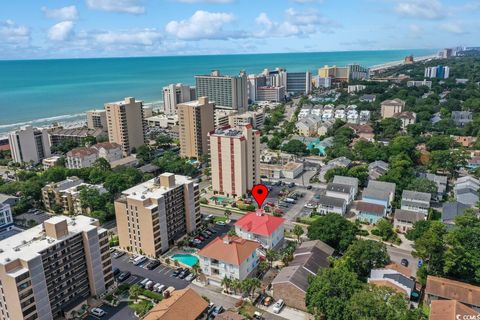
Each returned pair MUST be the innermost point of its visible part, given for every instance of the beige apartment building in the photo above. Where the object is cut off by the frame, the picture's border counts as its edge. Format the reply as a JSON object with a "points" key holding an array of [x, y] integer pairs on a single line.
{"points": [[97, 119], [153, 214], [235, 159], [51, 268], [125, 123], [196, 120], [391, 107]]}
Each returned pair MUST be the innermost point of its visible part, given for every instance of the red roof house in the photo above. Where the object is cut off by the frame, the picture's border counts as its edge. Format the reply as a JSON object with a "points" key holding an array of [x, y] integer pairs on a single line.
{"points": [[261, 227]]}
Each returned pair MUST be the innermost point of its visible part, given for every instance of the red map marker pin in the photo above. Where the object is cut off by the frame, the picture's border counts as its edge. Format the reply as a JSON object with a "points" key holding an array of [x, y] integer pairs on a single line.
{"points": [[259, 193]]}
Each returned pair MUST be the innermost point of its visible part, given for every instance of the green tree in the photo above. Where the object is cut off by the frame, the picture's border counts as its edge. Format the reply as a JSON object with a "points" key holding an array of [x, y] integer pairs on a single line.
{"points": [[295, 147], [329, 292], [334, 230], [364, 255], [384, 229], [297, 231], [430, 247], [271, 256], [134, 291], [419, 228]]}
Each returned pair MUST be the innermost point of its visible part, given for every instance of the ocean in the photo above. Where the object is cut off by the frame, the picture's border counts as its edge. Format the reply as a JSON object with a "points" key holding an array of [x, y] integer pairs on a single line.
{"points": [[39, 92]]}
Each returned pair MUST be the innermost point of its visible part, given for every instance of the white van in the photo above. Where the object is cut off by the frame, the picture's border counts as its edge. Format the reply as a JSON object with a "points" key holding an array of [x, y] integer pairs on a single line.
{"points": [[138, 260], [156, 286], [149, 285], [144, 282]]}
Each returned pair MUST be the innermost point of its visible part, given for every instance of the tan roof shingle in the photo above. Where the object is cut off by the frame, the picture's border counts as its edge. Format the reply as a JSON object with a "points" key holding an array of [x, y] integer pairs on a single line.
{"points": [[183, 304]]}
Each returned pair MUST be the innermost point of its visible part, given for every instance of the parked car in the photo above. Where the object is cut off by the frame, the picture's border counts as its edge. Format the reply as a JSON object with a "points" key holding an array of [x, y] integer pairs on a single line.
{"points": [[139, 260], [291, 184], [116, 272], [149, 285], [217, 310], [213, 231], [118, 254], [124, 276], [200, 237], [176, 272], [404, 262], [156, 286], [152, 264], [190, 277], [309, 187], [143, 282], [112, 250], [184, 274], [267, 301], [161, 288], [278, 306], [220, 223], [97, 312]]}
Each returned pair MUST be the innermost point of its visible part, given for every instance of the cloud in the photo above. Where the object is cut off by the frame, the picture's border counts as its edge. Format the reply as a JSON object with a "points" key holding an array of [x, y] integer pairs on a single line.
{"points": [[205, 1], [123, 6], [141, 37], [61, 31], [65, 13], [12, 33], [425, 9], [452, 27], [295, 23], [204, 25]]}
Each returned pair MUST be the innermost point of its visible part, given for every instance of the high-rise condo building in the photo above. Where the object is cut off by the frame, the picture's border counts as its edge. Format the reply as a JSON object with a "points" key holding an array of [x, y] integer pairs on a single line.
{"points": [[126, 124], [345, 74], [47, 270], [29, 144], [6, 218], [235, 159], [196, 120], [97, 119], [227, 92], [440, 72], [299, 82], [174, 94], [153, 214]]}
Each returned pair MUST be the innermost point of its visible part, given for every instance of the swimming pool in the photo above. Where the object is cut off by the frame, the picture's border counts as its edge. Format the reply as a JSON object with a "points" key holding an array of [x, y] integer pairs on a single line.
{"points": [[186, 259]]}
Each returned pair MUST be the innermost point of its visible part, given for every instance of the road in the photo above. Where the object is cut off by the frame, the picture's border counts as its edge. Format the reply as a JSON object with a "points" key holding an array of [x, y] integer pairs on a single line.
{"points": [[397, 254]]}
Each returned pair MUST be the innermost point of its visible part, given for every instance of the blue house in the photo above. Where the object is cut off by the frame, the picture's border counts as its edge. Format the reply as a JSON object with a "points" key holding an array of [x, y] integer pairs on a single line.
{"points": [[376, 196], [370, 212]]}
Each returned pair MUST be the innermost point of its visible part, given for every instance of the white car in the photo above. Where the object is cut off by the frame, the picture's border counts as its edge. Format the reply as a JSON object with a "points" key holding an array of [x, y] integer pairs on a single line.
{"points": [[277, 307], [97, 312]]}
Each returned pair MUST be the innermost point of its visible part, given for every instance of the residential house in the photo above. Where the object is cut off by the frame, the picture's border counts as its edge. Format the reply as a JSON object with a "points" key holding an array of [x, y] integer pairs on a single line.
{"points": [[390, 276], [406, 117], [391, 107], [466, 190], [291, 283], [290, 170], [461, 118], [437, 117], [405, 219], [450, 210], [349, 181], [229, 256], [364, 116], [263, 228], [465, 141], [364, 131], [451, 309], [376, 169], [382, 185], [370, 212], [324, 127], [368, 98], [473, 163], [8, 199], [341, 191], [445, 289], [85, 157], [308, 126], [440, 181], [328, 204], [341, 162], [185, 304], [416, 201]]}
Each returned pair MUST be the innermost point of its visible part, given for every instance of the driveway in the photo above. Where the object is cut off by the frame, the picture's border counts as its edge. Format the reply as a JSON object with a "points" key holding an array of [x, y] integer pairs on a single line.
{"points": [[121, 312]]}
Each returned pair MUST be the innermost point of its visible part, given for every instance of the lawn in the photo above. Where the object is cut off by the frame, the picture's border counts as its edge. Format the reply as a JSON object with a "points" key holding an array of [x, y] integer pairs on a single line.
{"points": [[141, 308], [222, 219], [308, 220]]}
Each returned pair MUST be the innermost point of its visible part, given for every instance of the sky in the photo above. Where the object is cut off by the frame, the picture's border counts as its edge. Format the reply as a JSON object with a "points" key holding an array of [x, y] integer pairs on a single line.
{"points": [[36, 29]]}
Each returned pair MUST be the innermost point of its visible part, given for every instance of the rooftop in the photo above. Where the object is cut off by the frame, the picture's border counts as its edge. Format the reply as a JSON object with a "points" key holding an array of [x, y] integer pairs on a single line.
{"points": [[331, 201], [374, 193], [233, 250], [370, 208], [453, 290], [417, 196], [153, 189], [410, 216], [382, 185], [257, 223], [338, 187], [27, 244], [185, 304], [451, 309]]}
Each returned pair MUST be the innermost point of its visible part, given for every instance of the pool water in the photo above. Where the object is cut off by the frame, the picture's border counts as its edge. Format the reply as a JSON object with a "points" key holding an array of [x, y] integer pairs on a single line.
{"points": [[187, 259]]}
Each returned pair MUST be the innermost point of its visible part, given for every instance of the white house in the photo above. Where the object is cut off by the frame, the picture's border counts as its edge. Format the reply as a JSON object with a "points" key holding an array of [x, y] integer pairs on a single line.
{"points": [[231, 257], [416, 201], [341, 191], [85, 157], [263, 228], [328, 204]]}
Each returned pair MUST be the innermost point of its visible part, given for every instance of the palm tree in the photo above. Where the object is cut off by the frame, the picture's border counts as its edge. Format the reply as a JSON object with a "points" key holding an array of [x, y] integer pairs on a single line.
{"points": [[298, 231], [227, 283], [196, 270], [263, 267], [134, 291], [236, 285], [255, 283], [271, 256]]}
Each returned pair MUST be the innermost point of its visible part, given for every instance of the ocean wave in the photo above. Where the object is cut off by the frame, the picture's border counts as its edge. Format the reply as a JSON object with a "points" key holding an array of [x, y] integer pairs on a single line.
{"points": [[43, 120]]}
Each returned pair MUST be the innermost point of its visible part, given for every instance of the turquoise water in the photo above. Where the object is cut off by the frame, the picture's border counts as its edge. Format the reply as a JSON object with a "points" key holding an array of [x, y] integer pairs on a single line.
{"points": [[60, 90], [187, 259]]}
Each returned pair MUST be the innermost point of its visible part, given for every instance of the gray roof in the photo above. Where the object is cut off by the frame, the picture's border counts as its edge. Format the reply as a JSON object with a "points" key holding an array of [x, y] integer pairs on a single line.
{"points": [[467, 179], [376, 193], [350, 181], [378, 164], [418, 204], [341, 161], [312, 261], [331, 201], [149, 168], [409, 216], [308, 245], [296, 275], [8, 199], [338, 187], [400, 278], [452, 209], [416, 196], [367, 97], [382, 185]]}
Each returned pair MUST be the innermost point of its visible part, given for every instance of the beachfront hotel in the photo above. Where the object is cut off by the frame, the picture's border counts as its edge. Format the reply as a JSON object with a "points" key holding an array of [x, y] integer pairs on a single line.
{"points": [[153, 214], [227, 92], [196, 120], [51, 268], [235, 159], [97, 119], [125, 122], [174, 94], [29, 144]]}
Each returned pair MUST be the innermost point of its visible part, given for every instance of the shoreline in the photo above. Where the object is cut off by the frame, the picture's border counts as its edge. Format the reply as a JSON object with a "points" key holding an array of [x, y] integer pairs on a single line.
{"points": [[79, 119]]}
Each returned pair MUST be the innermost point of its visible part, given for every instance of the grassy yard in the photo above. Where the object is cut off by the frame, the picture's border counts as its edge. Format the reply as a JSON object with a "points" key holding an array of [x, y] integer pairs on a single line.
{"points": [[222, 219]]}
